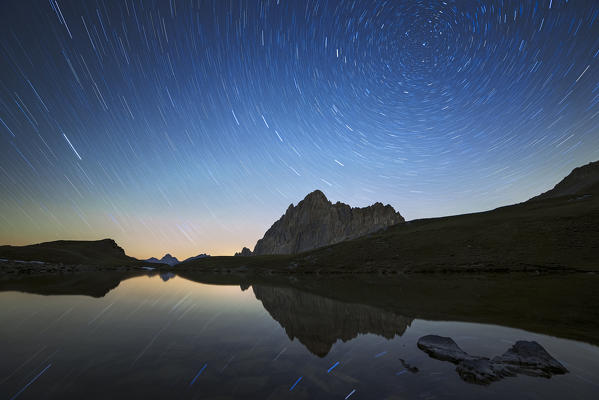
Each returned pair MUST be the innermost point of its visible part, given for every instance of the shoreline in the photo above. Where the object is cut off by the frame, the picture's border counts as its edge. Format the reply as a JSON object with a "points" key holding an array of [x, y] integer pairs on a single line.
{"points": [[19, 268]]}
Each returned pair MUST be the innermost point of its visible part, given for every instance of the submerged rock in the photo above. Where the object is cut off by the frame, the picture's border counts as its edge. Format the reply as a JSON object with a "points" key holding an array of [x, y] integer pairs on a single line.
{"points": [[482, 371], [442, 348], [532, 359], [529, 358], [408, 367]]}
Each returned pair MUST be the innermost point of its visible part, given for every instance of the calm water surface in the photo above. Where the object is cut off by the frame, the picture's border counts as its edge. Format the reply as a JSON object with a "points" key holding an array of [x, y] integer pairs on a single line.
{"points": [[168, 337]]}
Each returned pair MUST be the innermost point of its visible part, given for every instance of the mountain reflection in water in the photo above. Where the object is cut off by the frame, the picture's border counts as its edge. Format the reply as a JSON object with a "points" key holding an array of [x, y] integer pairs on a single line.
{"points": [[318, 322], [160, 335]]}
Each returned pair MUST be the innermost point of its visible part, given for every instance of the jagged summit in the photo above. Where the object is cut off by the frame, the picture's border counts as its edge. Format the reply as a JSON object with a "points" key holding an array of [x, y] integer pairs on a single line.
{"points": [[315, 197], [315, 222]]}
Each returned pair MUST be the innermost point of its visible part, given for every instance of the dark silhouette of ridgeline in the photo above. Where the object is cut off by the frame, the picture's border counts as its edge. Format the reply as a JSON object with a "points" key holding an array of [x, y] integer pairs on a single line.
{"points": [[555, 231], [88, 252], [104, 252], [582, 181]]}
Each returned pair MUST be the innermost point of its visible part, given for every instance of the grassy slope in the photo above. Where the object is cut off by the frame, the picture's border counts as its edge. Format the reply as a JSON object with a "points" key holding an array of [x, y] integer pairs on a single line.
{"points": [[552, 234]]}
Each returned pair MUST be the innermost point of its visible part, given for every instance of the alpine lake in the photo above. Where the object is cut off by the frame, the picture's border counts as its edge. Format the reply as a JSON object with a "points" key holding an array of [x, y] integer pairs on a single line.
{"points": [[153, 335]]}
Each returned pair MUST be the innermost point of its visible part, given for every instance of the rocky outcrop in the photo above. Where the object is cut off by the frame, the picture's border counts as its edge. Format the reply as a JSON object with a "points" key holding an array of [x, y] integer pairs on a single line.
{"points": [[318, 322], [582, 181], [316, 222], [245, 252], [528, 358]]}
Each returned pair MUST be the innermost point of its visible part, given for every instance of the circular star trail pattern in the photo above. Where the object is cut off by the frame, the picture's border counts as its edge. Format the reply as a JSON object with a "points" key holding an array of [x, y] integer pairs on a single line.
{"points": [[190, 126]]}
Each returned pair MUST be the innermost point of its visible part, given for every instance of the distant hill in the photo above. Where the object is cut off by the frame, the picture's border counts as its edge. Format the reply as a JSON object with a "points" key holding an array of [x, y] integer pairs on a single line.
{"points": [[199, 256], [172, 261], [94, 252], [167, 259], [316, 222], [245, 252], [580, 182]]}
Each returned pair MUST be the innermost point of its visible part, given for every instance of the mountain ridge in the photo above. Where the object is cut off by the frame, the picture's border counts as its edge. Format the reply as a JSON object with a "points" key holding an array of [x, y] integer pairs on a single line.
{"points": [[166, 259], [557, 233], [554, 234], [581, 181], [172, 261], [91, 252]]}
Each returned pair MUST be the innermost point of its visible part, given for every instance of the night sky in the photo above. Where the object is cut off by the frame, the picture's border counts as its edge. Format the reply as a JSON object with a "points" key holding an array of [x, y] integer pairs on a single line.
{"points": [[190, 126]]}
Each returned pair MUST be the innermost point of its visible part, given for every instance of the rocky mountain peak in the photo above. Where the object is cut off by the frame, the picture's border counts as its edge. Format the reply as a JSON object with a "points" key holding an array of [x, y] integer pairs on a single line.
{"points": [[315, 222], [315, 197]]}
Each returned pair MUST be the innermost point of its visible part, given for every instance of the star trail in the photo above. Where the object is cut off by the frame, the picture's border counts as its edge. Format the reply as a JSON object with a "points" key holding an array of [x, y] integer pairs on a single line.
{"points": [[190, 126]]}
